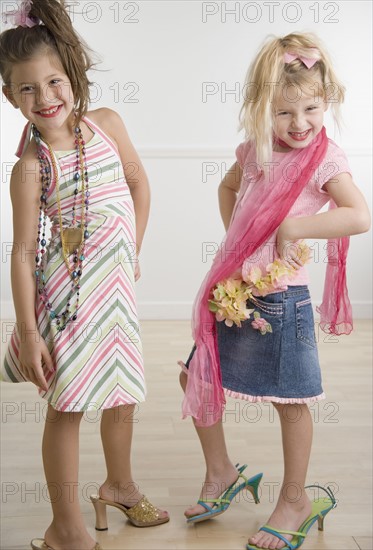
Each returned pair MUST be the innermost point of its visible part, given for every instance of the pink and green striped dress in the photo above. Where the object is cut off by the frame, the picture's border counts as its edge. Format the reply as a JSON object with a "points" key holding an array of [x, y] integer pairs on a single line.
{"points": [[98, 358]]}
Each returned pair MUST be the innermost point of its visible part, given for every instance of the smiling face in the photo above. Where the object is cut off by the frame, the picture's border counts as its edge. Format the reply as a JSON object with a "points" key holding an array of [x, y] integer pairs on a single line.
{"points": [[42, 91], [298, 115]]}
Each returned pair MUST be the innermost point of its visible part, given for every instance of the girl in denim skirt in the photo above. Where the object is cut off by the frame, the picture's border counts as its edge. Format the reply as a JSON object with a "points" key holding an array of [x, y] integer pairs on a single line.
{"points": [[253, 323]]}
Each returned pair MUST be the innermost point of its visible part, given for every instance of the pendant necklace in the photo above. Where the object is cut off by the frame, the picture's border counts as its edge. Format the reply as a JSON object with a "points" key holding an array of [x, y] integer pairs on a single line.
{"points": [[73, 238]]}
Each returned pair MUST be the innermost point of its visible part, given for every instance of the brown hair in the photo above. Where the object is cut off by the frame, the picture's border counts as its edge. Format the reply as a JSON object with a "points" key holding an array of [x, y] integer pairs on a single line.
{"points": [[55, 35]]}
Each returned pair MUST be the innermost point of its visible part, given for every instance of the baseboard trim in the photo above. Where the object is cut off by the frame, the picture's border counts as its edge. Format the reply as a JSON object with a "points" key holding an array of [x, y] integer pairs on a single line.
{"points": [[183, 310]]}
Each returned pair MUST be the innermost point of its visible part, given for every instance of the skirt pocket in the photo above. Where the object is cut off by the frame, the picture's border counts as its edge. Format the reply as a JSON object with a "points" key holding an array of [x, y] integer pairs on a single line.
{"points": [[305, 322]]}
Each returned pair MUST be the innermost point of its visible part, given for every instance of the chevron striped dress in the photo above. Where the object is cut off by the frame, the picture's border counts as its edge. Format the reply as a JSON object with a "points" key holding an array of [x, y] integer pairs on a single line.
{"points": [[98, 357]]}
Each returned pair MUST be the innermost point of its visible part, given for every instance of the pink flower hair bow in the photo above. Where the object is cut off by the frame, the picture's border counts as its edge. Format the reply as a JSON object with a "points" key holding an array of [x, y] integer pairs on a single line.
{"points": [[307, 61], [20, 17]]}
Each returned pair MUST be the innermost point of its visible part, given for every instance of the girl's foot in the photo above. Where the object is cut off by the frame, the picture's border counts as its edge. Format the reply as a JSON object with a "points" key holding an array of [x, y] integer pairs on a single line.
{"points": [[286, 516], [60, 538], [216, 482], [126, 493]]}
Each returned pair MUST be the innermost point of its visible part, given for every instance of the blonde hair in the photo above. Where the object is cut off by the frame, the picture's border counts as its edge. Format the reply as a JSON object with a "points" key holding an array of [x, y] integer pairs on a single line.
{"points": [[269, 73], [55, 35]]}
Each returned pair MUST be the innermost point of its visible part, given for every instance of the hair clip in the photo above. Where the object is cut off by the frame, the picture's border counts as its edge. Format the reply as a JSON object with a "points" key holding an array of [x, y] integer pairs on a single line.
{"points": [[20, 17], [307, 61]]}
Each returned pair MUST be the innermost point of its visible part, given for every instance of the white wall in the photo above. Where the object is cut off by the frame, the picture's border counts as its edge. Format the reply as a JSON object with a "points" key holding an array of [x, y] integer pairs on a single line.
{"points": [[154, 66]]}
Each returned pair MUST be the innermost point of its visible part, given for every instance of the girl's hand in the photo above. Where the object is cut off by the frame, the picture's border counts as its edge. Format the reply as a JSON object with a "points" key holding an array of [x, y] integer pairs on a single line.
{"points": [[31, 356], [137, 269], [287, 248]]}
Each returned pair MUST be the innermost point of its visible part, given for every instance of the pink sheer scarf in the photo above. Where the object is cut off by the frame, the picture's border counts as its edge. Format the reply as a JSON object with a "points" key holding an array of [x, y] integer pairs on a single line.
{"points": [[251, 226]]}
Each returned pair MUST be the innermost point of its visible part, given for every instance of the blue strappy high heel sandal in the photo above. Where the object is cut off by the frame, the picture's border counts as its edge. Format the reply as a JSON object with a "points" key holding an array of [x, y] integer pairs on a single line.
{"points": [[320, 507], [216, 506]]}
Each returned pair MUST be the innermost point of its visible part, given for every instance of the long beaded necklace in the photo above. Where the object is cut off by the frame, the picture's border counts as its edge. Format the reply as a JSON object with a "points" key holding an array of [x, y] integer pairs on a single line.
{"points": [[73, 239]]}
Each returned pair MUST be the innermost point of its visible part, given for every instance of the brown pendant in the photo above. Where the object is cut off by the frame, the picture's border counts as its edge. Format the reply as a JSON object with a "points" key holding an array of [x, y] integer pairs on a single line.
{"points": [[72, 238]]}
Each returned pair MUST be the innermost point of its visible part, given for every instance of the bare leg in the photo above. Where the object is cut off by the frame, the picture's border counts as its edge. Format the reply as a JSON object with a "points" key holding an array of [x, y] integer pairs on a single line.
{"points": [[220, 472], [293, 505], [61, 465], [116, 435]]}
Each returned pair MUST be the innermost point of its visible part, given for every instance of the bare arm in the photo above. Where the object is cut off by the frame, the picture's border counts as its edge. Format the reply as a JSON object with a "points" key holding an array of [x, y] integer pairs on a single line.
{"points": [[25, 196], [350, 218], [228, 189]]}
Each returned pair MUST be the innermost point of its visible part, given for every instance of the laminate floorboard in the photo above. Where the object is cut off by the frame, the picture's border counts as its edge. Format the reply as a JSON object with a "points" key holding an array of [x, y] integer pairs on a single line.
{"points": [[167, 459]]}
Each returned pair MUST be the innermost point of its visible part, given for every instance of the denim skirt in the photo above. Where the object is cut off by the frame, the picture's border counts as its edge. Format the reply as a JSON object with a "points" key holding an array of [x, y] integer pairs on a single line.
{"points": [[282, 365]]}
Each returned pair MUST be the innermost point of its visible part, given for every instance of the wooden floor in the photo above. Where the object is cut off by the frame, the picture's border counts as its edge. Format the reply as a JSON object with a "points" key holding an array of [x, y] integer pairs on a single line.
{"points": [[167, 460]]}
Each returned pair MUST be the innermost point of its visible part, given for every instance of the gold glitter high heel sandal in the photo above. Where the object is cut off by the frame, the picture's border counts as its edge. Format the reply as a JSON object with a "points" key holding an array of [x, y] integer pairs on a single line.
{"points": [[40, 544], [142, 514]]}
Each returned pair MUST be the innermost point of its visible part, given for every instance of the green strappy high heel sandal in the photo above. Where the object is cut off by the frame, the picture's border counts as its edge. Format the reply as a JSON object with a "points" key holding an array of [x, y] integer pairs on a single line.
{"points": [[215, 507], [320, 507]]}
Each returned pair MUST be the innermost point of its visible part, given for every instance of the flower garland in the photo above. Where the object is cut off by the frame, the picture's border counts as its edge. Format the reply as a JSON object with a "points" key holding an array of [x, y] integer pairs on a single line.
{"points": [[229, 297]]}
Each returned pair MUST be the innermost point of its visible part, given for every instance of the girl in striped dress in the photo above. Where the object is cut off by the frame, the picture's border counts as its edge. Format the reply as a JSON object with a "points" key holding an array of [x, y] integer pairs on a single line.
{"points": [[77, 333]]}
